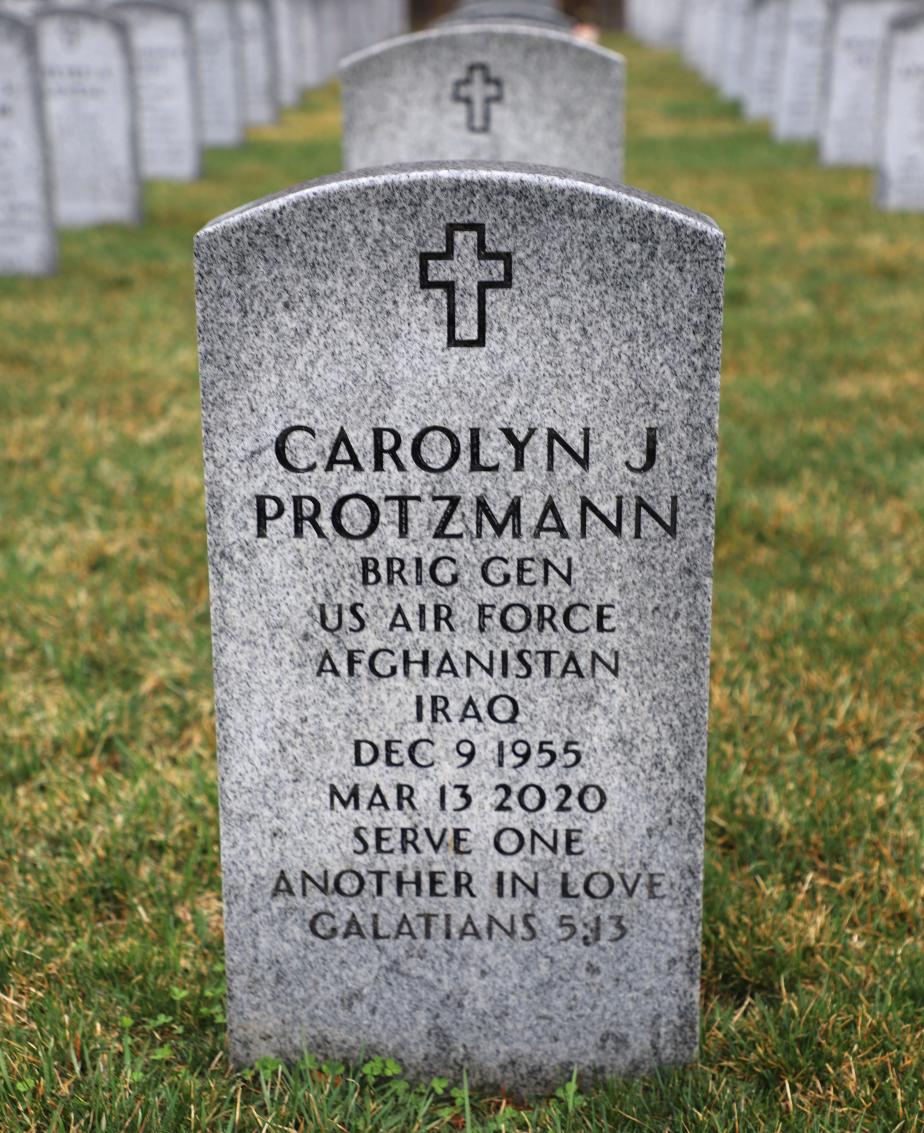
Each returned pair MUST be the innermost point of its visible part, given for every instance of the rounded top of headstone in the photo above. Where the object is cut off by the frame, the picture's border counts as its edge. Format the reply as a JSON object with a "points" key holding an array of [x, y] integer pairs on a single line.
{"points": [[446, 32], [503, 10], [509, 174]]}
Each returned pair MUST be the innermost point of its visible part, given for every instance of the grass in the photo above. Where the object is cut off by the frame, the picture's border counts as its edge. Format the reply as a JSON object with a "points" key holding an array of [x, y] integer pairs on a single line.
{"points": [[111, 985]]}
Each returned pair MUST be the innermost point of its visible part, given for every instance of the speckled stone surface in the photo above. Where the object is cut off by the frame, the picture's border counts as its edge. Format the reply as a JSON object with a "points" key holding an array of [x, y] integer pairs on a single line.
{"points": [[27, 235], [530, 11], [88, 93], [802, 70], [851, 116], [599, 327], [900, 182], [221, 71], [258, 62], [486, 93], [167, 118]]}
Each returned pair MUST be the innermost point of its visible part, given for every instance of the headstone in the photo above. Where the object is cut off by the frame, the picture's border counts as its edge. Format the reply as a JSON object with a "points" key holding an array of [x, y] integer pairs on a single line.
{"points": [[89, 98], [901, 163], [699, 38], [165, 84], [507, 11], [662, 22], [221, 72], [486, 93], [27, 235], [735, 49], [287, 48], [805, 45], [255, 18], [460, 444], [328, 18], [21, 9], [763, 71], [309, 33], [851, 114]]}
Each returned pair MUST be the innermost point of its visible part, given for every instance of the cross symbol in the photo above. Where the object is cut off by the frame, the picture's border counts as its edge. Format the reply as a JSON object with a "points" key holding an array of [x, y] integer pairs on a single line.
{"points": [[478, 90], [466, 291]]}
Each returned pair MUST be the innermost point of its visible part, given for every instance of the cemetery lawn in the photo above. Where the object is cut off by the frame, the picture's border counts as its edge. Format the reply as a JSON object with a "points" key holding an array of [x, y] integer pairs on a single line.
{"points": [[111, 983]]}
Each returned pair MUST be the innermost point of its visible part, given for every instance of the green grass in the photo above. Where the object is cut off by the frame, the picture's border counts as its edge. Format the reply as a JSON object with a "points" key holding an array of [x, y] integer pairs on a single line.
{"points": [[111, 985]]}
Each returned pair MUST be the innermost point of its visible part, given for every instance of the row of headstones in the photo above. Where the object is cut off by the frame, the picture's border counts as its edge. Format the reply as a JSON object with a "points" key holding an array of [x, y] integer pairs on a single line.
{"points": [[848, 74], [95, 100], [460, 421]]}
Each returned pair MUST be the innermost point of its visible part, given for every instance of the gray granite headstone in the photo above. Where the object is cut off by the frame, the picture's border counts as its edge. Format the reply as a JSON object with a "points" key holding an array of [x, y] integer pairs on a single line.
{"points": [[163, 52], [764, 59], [88, 92], [258, 61], [460, 445], [850, 117], [220, 70], [27, 235], [805, 46], [496, 92], [901, 161]]}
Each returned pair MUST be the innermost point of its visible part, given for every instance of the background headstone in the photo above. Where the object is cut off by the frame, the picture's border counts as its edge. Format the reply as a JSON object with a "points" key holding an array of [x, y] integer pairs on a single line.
{"points": [[258, 61], [440, 307], [806, 37], [163, 53], [471, 92], [763, 65], [89, 97], [735, 48], [220, 70], [901, 164], [27, 235], [309, 33], [22, 9], [505, 11], [287, 43], [850, 117]]}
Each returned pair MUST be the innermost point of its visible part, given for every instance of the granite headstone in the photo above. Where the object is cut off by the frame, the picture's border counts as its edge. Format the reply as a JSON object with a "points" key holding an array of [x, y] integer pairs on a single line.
{"points": [[27, 235], [901, 163], [802, 73], [472, 92], [851, 115], [460, 445], [258, 61], [163, 52], [88, 91]]}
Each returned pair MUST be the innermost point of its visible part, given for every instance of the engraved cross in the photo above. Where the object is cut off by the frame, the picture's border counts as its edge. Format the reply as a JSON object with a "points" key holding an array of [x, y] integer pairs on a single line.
{"points": [[478, 90], [466, 271]]}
